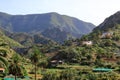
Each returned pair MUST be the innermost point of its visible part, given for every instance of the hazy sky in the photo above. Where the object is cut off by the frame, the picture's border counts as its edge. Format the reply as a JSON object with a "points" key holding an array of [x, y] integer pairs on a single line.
{"points": [[94, 11]]}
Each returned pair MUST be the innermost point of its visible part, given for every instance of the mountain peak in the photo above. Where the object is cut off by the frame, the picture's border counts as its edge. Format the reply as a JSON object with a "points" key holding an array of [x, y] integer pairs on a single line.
{"points": [[110, 21], [117, 13], [53, 13]]}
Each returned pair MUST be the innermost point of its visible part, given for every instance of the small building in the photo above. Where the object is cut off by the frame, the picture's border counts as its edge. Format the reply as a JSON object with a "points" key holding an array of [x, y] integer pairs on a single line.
{"points": [[107, 35], [54, 63], [60, 62], [87, 43], [2, 70]]}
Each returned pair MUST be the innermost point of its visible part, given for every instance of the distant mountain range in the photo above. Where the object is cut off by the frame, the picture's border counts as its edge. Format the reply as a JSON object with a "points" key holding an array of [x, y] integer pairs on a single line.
{"points": [[51, 25]]}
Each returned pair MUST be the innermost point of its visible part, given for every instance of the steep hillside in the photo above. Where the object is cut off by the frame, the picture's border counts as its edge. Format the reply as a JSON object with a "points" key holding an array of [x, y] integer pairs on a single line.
{"points": [[101, 47], [8, 41], [26, 39], [6, 47], [110, 22], [29, 40], [40, 23]]}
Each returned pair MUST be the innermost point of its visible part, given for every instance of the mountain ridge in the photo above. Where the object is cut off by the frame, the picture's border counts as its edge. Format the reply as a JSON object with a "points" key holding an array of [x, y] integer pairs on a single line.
{"points": [[110, 22], [39, 23]]}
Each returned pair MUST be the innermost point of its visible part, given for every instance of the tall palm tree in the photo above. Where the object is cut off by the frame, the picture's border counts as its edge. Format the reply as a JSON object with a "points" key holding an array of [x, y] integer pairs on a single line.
{"points": [[35, 58], [15, 67]]}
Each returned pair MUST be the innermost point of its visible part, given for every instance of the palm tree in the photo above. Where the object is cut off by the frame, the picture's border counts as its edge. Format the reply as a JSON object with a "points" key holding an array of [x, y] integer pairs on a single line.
{"points": [[15, 67], [35, 58]]}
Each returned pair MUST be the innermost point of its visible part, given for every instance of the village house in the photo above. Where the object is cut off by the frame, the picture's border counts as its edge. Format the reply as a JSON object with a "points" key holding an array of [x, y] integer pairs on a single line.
{"points": [[2, 70], [60, 62], [54, 63], [107, 35], [87, 43]]}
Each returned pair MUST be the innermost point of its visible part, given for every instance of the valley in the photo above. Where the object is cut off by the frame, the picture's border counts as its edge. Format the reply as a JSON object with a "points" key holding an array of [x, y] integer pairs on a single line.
{"points": [[46, 53]]}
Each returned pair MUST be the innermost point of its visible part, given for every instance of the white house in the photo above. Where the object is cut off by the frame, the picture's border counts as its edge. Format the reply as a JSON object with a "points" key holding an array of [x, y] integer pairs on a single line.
{"points": [[107, 35], [88, 43]]}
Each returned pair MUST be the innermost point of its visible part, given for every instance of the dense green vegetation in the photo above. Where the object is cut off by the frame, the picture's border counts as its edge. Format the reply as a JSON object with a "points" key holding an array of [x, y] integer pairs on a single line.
{"points": [[4, 40], [75, 59], [103, 52]]}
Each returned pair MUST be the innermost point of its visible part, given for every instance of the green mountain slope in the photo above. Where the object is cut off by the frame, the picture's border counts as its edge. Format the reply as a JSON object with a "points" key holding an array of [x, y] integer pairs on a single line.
{"points": [[110, 22], [29, 40], [6, 48], [8, 41]]}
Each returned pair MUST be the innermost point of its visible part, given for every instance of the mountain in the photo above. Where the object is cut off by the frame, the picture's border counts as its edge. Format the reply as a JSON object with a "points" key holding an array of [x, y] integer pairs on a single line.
{"points": [[51, 25], [110, 22]]}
